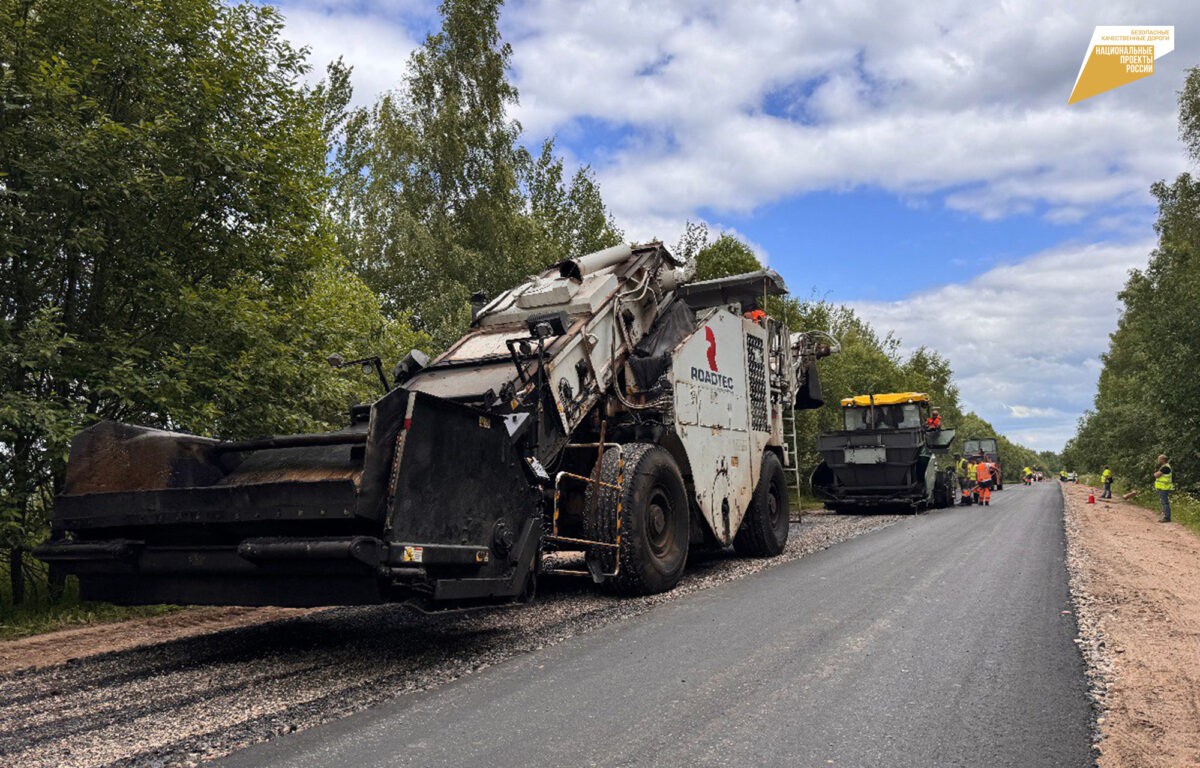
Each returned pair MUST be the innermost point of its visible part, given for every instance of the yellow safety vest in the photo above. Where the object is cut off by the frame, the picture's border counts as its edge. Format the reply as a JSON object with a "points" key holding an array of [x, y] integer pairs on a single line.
{"points": [[1106, 476], [1166, 482]]}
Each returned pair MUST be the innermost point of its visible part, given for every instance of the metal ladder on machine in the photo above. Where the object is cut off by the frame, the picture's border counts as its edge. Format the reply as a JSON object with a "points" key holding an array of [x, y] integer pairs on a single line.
{"points": [[793, 464]]}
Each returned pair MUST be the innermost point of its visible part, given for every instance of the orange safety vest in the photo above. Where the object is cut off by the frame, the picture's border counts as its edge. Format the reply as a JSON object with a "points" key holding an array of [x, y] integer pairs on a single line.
{"points": [[933, 422], [983, 471]]}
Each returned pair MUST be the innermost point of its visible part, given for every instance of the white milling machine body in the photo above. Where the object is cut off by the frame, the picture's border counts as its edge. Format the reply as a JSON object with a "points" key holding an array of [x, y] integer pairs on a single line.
{"points": [[600, 419], [633, 356]]}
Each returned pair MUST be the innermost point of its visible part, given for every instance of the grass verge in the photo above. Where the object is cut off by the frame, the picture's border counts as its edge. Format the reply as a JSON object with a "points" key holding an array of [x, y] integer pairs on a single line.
{"points": [[39, 615]]}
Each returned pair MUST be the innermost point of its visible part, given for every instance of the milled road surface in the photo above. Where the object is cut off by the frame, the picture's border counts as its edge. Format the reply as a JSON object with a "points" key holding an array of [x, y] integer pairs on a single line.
{"points": [[943, 640], [177, 701]]}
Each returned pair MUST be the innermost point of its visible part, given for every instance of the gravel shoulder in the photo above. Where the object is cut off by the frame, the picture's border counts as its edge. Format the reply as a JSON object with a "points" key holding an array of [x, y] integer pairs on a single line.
{"points": [[1136, 584], [66, 645], [176, 695]]}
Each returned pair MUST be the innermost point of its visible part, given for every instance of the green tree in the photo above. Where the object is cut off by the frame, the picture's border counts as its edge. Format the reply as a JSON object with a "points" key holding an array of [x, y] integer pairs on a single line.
{"points": [[694, 237], [727, 255], [1146, 401], [165, 256], [570, 216], [435, 196]]}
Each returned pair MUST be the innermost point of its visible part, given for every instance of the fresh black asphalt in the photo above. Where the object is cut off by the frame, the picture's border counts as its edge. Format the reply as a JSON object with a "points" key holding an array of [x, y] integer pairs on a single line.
{"points": [[943, 640]]}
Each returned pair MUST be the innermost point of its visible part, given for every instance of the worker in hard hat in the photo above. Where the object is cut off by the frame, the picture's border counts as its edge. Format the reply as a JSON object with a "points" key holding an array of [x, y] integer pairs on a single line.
{"points": [[984, 472]]}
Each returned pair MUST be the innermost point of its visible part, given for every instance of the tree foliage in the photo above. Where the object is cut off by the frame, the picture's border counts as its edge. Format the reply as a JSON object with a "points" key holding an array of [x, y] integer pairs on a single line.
{"points": [[166, 259], [437, 199], [189, 231], [1146, 402]]}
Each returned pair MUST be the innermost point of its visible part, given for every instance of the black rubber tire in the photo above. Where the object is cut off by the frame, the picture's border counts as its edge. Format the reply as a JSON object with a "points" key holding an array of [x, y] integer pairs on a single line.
{"points": [[764, 529], [655, 519]]}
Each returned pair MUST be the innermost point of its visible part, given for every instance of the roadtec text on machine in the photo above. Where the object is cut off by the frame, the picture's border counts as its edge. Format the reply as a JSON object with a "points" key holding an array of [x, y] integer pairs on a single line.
{"points": [[605, 407]]}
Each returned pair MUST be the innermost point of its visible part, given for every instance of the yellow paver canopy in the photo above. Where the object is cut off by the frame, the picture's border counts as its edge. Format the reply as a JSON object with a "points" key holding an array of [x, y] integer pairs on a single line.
{"points": [[889, 398]]}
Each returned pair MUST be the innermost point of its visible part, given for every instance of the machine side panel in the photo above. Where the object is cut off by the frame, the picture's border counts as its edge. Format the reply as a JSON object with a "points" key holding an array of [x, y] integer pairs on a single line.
{"points": [[457, 477], [580, 372], [713, 420]]}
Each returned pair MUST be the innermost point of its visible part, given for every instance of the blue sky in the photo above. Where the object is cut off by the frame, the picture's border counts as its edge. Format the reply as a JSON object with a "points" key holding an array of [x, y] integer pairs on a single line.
{"points": [[918, 161]]}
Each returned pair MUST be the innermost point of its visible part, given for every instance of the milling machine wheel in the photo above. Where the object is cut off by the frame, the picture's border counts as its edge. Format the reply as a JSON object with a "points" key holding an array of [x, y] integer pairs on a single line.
{"points": [[764, 529], [655, 519]]}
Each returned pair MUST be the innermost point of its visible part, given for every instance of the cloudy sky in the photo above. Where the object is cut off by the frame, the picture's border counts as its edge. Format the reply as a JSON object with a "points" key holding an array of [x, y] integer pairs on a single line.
{"points": [[920, 164]]}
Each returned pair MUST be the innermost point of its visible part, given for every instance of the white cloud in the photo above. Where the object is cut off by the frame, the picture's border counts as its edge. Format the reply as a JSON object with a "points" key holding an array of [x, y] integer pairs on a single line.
{"points": [[1031, 412], [716, 108], [371, 38], [727, 106], [1028, 333]]}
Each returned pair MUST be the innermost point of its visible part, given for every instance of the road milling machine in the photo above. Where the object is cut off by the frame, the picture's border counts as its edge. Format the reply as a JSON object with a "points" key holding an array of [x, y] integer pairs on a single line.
{"points": [[607, 408], [885, 458]]}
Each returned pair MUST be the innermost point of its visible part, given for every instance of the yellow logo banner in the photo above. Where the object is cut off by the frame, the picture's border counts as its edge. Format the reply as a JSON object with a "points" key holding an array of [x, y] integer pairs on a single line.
{"points": [[1120, 55]]}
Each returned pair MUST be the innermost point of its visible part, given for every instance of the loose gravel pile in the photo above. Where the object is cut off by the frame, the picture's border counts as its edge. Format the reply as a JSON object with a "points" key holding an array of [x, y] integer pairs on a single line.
{"points": [[194, 699], [1137, 585], [1092, 642]]}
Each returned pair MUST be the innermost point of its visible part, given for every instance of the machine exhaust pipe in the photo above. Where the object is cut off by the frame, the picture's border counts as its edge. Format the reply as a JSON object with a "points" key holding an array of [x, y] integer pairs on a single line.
{"points": [[579, 267]]}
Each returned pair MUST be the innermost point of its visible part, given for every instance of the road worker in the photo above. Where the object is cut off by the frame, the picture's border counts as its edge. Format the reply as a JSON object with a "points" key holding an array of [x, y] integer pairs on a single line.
{"points": [[983, 479], [962, 466], [968, 484], [1062, 475], [1164, 483], [934, 421], [1106, 477], [1027, 476]]}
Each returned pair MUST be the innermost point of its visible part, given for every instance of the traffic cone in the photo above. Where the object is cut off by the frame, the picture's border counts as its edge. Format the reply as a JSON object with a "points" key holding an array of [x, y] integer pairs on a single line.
{"points": [[1091, 497]]}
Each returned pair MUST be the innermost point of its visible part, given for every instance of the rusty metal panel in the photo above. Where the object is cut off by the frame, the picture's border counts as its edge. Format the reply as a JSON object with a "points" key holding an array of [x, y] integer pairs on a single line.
{"points": [[110, 457], [297, 465]]}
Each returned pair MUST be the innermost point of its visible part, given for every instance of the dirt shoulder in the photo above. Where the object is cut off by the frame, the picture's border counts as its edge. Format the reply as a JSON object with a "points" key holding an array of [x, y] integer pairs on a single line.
{"points": [[1137, 588], [61, 646]]}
